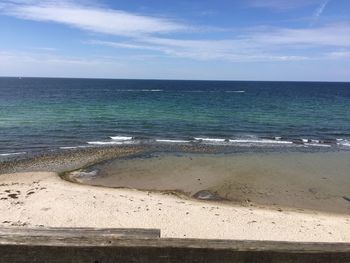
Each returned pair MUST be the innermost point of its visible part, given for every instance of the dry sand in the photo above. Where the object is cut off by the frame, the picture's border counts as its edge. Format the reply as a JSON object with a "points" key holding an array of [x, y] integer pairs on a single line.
{"points": [[44, 199]]}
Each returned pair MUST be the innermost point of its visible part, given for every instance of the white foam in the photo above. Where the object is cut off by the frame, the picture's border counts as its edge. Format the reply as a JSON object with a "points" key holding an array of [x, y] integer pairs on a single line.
{"points": [[139, 90], [121, 138], [105, 143], [317, 144], [235, 91], [343, 142], [210, 139], [305, 140], [260, 141], [69, 147], [10, 154], [172, 141], [152, 90]]}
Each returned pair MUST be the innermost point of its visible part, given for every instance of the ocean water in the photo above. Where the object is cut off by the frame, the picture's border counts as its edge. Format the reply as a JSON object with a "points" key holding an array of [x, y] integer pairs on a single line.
{"points": [[41, 114]]}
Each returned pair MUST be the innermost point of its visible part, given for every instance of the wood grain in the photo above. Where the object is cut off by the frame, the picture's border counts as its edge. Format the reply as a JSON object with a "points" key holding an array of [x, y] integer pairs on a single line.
{"points": [[144, 245]]}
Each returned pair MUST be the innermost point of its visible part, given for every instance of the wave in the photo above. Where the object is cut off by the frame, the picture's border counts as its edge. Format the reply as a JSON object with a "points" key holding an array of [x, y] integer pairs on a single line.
{"points": [[227, 91], [69, 147], [235, 91], [343, 142], [209, 139], [151, 90], [172, 141], [240, 141], [139, 90], [11, 154], [111, 142], [185, 91], [105, 143], [121, 138], [318, 144], [260, 141]]}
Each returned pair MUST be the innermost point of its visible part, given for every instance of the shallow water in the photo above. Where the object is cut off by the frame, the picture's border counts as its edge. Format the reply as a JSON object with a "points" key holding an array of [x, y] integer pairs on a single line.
{"points": [[311, 181]]}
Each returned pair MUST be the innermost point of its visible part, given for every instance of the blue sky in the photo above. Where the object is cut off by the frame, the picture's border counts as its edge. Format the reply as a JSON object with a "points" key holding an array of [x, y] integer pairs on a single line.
{"points": [[167, 39]]}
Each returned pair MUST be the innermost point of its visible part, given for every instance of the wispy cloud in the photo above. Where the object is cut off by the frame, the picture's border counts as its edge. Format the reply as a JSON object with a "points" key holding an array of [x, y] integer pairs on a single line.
{"points": [[154, 34], [225, 50], [45, 58], [91, 18], [259, 44], [321, 8], [334, 35], [340, 54], [281, 5]]}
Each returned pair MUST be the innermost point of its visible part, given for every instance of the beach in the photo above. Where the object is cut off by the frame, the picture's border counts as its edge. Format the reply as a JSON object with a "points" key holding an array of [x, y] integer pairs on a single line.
{"points": [[199, 159], [43, 199]]}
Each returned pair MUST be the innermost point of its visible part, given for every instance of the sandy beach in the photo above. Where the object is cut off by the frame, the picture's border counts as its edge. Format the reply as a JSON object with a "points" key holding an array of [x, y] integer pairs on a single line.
{"points": [[43, 199]]}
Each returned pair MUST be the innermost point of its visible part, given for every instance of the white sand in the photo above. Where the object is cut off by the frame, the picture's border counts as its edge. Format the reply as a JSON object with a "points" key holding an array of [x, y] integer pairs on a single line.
{"points": [[45, 200]]}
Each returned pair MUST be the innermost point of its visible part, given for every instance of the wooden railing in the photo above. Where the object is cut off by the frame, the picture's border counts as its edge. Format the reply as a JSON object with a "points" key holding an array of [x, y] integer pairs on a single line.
{"points": [[145, 245]]}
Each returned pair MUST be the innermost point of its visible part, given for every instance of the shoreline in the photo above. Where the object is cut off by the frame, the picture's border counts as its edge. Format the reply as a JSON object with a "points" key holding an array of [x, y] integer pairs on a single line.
{"points": [[43, 199], [292, 180], [61, 160], [33, 194]]}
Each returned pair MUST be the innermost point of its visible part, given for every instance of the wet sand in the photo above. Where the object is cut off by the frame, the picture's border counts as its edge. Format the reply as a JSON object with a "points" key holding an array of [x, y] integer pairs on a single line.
{"points": [[65, 160], [297, 181]]}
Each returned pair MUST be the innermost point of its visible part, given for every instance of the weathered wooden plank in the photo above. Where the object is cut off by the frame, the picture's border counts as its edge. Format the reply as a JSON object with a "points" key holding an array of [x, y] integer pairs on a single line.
{"points": [[100, 245], [65, 232], [113, 241], [146, 254]]}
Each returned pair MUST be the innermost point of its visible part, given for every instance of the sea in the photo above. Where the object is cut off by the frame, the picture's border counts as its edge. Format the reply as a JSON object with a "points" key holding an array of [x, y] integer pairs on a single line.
{"points": [[45, 114]]}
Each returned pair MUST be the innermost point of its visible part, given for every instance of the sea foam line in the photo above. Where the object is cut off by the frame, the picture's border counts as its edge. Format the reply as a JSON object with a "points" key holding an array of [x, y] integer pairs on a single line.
{"points": [[343, 142], [9, 154], [209, 139], [105, 143], [317, 144], [260, 141], [121, 138], [172, 141], [69, 147], [139, 90]]}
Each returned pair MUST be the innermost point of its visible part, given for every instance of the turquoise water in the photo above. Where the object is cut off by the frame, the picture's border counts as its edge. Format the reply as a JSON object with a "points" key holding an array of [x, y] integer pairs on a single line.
{"points": [[38, 114]]}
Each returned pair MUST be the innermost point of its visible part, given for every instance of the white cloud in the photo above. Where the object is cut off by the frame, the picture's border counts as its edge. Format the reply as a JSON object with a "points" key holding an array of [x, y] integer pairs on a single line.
{"points": [[95, 19], [330, 35], [146, 33], [339, 54]]}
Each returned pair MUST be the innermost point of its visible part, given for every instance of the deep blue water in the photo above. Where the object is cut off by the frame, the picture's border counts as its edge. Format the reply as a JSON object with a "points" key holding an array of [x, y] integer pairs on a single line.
{"points": [[40, 114]]}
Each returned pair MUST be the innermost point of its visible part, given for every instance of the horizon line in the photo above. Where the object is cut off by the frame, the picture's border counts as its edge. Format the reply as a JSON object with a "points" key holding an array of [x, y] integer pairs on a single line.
{"points": [[165, 79]]}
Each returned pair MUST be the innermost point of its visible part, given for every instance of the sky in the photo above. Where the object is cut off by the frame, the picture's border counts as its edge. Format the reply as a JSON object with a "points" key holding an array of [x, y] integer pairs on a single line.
{"points": [[295, 40]]}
